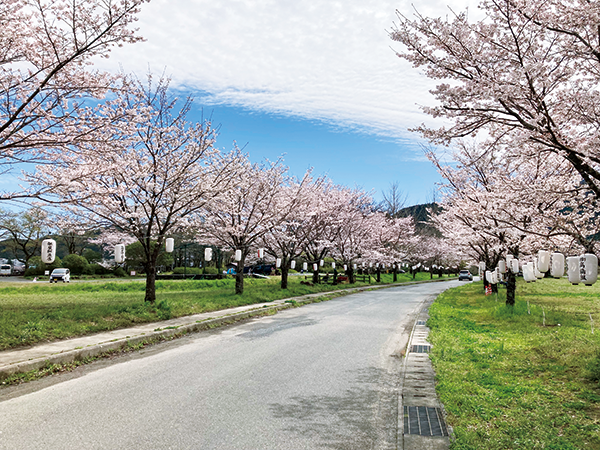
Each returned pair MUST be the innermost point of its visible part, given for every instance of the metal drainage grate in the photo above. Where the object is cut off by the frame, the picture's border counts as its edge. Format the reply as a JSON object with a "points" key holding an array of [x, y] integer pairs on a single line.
{"points": [[424, 421], [421, 322], [420, 348]]}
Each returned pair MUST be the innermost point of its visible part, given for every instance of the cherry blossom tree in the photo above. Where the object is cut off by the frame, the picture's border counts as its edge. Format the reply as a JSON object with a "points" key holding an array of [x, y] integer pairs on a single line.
{"points": [[153, 178], [251, 207], [526, 75], [496, 205], [285, 240], [46, 48], [356, 224]]}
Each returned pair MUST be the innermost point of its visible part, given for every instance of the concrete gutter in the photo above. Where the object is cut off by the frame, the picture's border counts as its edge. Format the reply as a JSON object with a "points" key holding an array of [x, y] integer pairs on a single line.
{"points": [[421, 415], [17, 361]]}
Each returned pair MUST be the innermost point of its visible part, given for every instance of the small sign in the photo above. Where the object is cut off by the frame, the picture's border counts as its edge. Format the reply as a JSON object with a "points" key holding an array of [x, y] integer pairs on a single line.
{"points": [[132, 273], [47, 272]]}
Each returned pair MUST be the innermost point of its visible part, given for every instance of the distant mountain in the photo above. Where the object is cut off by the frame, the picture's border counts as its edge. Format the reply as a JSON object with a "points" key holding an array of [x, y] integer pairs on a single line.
{"points": [[421, 216]]}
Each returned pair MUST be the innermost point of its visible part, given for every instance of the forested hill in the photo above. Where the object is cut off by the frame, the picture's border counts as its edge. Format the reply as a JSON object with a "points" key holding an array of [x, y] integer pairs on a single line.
{"points": [[420, 213]]}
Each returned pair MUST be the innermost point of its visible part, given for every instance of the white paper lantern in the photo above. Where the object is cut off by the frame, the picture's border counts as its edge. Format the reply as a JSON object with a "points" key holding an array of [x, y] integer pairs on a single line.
{"points": [[370, 264], [293, 264], [494, 278], [557, 269], [354, 266], [528, 272], [333, 265], [345, 267], [169, 245], [502, 266], [573, 269], [498, 275], [305, 266], [261, 253], [315, 267], [514, 265], [207, 254], [321, 263], [488, 276], [543, 261], [278, 262], [509, 257], [536, 271], [588, 269], [120, 253], [48, 251], [481, 268], [238, 255]]}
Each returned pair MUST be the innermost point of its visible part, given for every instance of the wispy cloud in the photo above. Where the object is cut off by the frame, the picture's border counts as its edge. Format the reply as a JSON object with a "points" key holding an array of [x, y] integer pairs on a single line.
{"points": [[325, 60]]}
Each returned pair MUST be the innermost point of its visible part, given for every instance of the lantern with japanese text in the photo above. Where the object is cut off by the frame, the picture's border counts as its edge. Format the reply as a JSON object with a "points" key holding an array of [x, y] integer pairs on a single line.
{"points": [[48, 251], [120, 253], [588, 269]]}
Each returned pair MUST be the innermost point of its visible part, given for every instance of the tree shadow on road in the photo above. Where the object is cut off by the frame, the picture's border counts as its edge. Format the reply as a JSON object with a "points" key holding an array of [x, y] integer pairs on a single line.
{"points": [[363, 417]]}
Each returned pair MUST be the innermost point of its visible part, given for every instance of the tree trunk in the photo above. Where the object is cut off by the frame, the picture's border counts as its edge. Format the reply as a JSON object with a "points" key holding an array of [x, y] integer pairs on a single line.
{"points": [[315, 276], [150, 283], [239, 276], [378, 274], [350, 275], [511, 287], [395, 275], [284, 275]]}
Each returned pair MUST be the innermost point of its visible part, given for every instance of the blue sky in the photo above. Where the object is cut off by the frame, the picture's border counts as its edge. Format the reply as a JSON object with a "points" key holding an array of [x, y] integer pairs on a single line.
{"points": [[347, 156]]}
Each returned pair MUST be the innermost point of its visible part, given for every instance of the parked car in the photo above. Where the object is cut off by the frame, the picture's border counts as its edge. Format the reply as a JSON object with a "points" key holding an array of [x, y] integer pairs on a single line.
{"points": [[465, 275], [5, 270], [63, 275]]}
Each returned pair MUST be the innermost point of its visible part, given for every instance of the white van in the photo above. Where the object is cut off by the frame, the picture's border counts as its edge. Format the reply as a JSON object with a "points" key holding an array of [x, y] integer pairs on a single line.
{"points": [[5, 270]]}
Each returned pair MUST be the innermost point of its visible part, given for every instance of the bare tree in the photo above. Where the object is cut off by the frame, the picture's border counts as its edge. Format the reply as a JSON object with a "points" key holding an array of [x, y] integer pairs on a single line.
{"points": [[393, 200]]}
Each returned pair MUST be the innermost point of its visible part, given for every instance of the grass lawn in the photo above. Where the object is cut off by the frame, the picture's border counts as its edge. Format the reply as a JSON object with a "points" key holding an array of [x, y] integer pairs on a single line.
{"points": [[31, 313], [509, 382]]}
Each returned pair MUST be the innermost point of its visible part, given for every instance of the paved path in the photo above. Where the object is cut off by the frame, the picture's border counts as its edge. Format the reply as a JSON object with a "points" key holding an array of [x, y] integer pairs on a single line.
{"points": [[327, 375]]}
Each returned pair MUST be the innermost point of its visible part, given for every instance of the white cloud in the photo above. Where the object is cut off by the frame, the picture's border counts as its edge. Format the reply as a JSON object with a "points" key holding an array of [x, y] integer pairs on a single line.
{"points": [[326, 60]]}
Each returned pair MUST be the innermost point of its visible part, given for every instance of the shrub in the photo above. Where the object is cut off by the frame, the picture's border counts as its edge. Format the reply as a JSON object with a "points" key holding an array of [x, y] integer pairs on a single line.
{"points": [[75, 263], [38, 268], [190, 270], [99, 269], [120, 272]]}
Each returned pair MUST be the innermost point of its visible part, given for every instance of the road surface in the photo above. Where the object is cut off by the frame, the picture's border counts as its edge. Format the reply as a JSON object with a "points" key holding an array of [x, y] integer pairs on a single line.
{"points": [[324, 376]]}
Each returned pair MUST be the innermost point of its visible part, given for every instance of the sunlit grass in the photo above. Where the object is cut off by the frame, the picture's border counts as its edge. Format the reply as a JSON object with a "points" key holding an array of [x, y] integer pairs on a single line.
{"points": [[36, 312], [509, 382]]}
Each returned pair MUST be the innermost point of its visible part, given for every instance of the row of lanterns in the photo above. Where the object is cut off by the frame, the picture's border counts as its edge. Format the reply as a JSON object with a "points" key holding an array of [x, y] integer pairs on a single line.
{"points": [[49, 252], [170, 246], [580, 269]]}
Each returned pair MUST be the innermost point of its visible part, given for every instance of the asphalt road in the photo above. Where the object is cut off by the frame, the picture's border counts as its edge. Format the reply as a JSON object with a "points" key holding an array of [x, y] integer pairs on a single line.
{"points": [[324, 376]]}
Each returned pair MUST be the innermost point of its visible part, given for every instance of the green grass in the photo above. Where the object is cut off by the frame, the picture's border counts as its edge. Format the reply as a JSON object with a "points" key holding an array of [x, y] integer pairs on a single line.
{"points": [[509, 382], [32, 313]]}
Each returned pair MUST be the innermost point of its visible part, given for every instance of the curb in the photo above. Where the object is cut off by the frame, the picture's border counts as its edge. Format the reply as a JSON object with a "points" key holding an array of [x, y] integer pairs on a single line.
{"points": [[79, 354]]}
